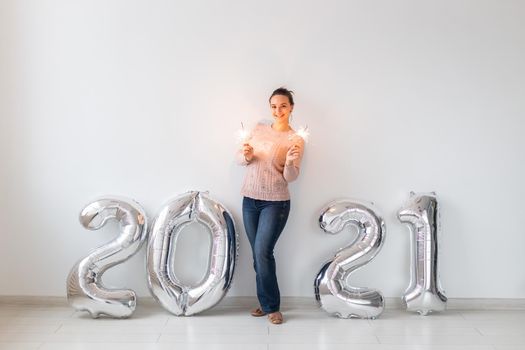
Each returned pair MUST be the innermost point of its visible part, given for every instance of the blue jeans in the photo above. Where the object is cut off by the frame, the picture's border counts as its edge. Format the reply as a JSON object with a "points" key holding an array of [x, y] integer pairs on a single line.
{"points": [[264, 221]]}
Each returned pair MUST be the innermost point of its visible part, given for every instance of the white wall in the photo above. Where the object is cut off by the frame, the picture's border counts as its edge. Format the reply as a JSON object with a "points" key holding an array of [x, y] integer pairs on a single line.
{"points": [[142, 99]]}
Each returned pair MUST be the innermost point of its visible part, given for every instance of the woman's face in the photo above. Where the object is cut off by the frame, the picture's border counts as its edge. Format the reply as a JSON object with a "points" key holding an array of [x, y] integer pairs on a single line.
{"points": [[281, 108]]}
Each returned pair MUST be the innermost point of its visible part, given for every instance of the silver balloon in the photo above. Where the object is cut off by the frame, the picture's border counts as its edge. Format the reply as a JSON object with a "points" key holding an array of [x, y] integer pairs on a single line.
{"points": [[85, 291], [163, 284], [332, 292], [424, 293]]}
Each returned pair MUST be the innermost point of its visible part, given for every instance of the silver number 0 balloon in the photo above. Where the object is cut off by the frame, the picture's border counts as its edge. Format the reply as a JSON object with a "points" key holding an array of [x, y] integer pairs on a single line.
{"points": [[424, 293], [164, 285], [332, 292], [84, 288]]}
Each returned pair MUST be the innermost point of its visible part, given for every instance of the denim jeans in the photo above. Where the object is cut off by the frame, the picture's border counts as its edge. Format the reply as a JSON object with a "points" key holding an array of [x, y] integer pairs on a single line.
{"points": [[264, 221]]}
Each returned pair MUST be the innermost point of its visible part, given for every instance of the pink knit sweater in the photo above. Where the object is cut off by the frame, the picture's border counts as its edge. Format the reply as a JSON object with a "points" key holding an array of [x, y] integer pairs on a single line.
{"points": [[267, 174]]}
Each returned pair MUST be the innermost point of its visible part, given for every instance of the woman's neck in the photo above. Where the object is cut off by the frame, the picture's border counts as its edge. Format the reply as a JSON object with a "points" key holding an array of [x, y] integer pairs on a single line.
{"points": [[284, 126]]}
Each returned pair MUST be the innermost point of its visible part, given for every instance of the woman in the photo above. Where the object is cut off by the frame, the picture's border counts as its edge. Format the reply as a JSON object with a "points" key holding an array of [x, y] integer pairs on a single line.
{"points": [[272, 156]]}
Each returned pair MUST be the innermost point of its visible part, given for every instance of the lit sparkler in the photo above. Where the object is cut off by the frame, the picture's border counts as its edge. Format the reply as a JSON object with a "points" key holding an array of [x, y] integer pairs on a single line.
{"points": [[242, 134], [303, 133]]}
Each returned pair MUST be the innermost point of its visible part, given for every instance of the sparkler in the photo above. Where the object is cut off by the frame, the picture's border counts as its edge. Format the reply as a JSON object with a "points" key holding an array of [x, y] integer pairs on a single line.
{"points": [[303, 133], [242, 134]]}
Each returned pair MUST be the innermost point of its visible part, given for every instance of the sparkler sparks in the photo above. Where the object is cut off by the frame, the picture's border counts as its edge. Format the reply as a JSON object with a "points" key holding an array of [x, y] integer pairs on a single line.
{"points": [[242, 134], [303, 133]]}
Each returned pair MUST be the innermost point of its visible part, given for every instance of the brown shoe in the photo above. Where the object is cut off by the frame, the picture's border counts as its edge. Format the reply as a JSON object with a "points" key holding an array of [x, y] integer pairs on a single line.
{"points": [[275, 317], [257, 312]]}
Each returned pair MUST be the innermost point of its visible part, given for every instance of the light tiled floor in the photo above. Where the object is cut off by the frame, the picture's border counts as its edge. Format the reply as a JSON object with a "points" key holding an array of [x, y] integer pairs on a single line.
{"points": [[228, 326]]}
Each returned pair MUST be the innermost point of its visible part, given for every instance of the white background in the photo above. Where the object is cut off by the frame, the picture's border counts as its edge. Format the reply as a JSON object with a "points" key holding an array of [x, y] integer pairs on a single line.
{"points": [[143, 99]]}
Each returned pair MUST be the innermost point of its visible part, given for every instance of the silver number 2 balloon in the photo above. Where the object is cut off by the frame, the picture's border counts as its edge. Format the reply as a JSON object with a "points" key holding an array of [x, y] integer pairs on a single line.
{"points": [[332, 292], [164, 285], [424, 293], [84, 288]]}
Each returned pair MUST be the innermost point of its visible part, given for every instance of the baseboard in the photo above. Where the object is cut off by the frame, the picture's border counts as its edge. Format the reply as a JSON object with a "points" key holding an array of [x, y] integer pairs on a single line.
{"points": [[248, 301], [485, 304], [32, 300]]}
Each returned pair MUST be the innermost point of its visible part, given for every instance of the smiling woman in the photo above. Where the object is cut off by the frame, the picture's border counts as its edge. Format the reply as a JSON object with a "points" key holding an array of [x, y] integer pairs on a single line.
{"points": [[272, 156]]}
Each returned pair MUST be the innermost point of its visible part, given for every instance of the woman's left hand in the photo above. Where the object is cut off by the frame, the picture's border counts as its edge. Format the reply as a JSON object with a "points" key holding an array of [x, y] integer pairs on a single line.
{"points": [[293, 153]]}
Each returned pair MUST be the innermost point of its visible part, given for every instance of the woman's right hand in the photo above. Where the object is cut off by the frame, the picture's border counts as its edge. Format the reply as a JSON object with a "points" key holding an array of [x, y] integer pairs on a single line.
{"points": [[247, 151]]}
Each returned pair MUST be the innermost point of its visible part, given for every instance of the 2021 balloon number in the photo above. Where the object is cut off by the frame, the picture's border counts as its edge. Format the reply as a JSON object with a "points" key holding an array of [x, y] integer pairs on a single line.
{"points": [[424, 293], [85, 290], [332, 292]]}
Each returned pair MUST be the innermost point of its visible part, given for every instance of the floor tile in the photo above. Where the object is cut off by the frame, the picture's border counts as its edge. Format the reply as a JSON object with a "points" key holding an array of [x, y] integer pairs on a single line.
{"points": [[422, 330], [214, 339], [322, 339], [322, 329], [204, 330], [434, 340], [493, 315], [19, 346], [130, 328], [82, 338], [506, 339], [17, 328], [30, 321], [510, 329]]}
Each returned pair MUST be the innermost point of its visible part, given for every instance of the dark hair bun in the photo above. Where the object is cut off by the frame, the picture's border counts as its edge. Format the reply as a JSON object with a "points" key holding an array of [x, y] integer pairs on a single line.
{"points": [[283, 92]]}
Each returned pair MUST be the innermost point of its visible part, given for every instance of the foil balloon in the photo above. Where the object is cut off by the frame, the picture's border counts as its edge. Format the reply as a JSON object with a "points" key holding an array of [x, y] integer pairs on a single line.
{"points": [[424, 293], [85, 291], [332, 292], [177, 298]]}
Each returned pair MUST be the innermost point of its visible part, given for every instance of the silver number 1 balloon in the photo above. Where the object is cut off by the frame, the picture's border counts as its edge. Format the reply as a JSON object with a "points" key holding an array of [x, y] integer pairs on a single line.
{"points": [[424, 293], [332, 292], [164, 285], [84, 287]]}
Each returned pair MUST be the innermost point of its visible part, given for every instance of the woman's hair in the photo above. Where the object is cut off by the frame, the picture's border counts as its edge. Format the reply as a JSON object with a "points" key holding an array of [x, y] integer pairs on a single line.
{"points": [[284, 92]]}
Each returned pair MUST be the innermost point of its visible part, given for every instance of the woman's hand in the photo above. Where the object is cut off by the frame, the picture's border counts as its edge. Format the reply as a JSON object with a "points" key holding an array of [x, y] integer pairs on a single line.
{"points": [[247, 151], [293, 153]]}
